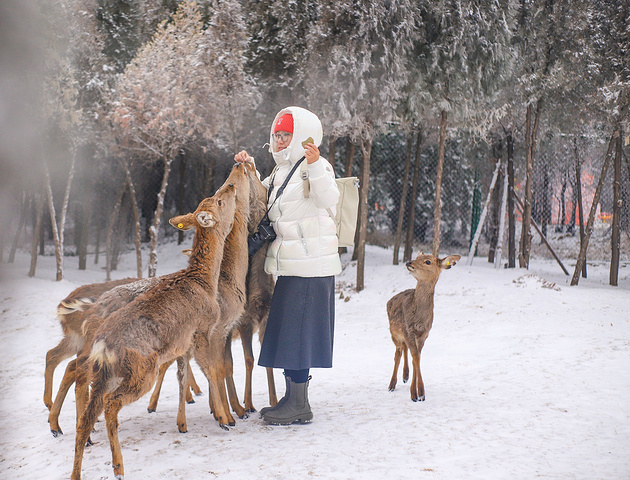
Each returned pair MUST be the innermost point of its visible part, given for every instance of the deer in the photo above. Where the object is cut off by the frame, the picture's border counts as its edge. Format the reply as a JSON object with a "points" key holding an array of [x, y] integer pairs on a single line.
{"points": [[245, 292], [167, 322], [71, 315], [410, 316], [84, 315]]}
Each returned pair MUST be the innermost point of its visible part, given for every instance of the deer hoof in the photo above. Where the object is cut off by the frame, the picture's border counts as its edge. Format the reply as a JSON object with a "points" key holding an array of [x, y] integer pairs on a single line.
{"points": [[56, 433], [191, 401], [224, 427], [182, 428], [151, 410]]}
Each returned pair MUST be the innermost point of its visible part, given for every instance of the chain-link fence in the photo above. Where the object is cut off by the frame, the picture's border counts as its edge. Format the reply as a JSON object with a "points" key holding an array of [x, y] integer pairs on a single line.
{"points": [[468, 170]]}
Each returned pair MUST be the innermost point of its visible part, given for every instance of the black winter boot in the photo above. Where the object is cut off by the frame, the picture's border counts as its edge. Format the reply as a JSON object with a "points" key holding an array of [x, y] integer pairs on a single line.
{"points": [[295, 409]]}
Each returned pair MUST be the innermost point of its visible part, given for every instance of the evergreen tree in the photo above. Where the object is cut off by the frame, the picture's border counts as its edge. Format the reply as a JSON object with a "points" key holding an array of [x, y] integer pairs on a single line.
{"points": [[355, 70]]}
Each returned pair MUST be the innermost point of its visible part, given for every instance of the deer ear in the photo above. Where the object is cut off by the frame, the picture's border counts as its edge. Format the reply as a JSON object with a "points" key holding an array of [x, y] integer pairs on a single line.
{"points": [[205, 219], [187, 252], [183, 222], [450, 261]]}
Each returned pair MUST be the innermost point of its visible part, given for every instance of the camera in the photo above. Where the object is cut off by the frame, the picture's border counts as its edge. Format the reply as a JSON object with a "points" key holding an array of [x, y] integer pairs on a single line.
{"points": [[264, 233]]}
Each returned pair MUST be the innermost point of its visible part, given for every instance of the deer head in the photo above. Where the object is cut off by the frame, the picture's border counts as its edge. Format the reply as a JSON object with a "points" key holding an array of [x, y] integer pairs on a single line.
{"points": [[221, 205], [427, 268]]}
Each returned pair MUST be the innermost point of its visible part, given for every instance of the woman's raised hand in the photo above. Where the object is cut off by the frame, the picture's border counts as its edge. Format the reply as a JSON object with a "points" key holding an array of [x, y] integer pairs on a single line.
{"points": [[311, 153], [242, 156]]}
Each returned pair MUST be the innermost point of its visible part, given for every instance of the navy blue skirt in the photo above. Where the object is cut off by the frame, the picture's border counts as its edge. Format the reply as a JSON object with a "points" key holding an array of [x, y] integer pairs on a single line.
{"points": [[301, 324]]}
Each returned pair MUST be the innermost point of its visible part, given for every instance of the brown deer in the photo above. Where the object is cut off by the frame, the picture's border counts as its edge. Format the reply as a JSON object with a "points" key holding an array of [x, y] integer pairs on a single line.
{"points": [[245, 292], [158, 326], [411, 316], [86, 316], [71, 314]]}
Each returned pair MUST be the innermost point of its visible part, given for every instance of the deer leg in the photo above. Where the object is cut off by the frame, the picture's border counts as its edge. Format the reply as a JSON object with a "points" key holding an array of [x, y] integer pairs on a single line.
{"points": [[413, 388], [405, 377], [394, 379], [54, 357], [217, 350], [248, 352], [416, 367], [82, 387], [86, 422], [204, 359], [112, 408], [271, 382], [158, 386], [229, 380], [192, 383], [68, 379], [182, 378], [271, 385]]}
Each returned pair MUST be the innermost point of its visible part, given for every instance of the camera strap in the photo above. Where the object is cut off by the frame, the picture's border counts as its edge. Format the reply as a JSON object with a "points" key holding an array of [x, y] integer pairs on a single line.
{"points": [[282, 187]]}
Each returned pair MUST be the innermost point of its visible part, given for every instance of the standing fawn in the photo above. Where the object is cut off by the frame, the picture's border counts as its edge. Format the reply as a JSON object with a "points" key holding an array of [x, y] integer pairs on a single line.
{"points": [[158, 326], [411, 317]]}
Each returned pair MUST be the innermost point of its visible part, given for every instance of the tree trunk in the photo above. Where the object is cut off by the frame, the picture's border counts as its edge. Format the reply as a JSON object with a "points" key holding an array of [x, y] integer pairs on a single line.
{"points": [[530, 134], [97, 246], [157, 219], [563, 208], [332, 150], [616, 220], [411, 221], [366, 150], [493, 226], [546, 204], [580, 203], [136, 216], [523, 257], [473, 245], [581, 260], [510, 202], [349, 157], [181, 194], [110, 232], [39, 216], [58, 230], [504, 201], [403, 199], [84, 235], [21, 222], [437, 216]]}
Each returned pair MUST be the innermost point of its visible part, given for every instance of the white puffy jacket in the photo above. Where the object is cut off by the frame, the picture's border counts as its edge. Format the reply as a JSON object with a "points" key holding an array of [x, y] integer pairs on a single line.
{"points": [[306, 242]]}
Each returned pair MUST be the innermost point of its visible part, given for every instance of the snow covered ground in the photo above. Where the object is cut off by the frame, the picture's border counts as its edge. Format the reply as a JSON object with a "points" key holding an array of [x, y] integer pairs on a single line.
{"points": [[526, 377]]}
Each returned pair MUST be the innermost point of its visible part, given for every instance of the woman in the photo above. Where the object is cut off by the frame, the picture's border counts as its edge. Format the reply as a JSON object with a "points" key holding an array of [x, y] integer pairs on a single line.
{"points": [[303, 257]]}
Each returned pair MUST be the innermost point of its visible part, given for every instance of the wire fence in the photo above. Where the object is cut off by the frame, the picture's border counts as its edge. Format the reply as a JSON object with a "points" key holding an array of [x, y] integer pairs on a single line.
{"points": [[468, 169]]}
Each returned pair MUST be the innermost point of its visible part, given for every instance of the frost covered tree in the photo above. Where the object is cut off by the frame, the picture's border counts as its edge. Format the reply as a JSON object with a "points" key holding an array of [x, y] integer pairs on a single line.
{"points": [[277, 47], [355, 70], [227, 43], [460, 65], [165, 100]]}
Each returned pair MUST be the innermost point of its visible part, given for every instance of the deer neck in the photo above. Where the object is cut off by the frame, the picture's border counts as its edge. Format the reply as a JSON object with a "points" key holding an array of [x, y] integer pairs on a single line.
{"points": [[423, 294], [206, 256]]}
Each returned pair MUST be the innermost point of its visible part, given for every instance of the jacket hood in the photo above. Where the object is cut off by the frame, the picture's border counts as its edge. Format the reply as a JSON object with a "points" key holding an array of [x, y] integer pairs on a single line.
{"points": [[305, 124]]}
